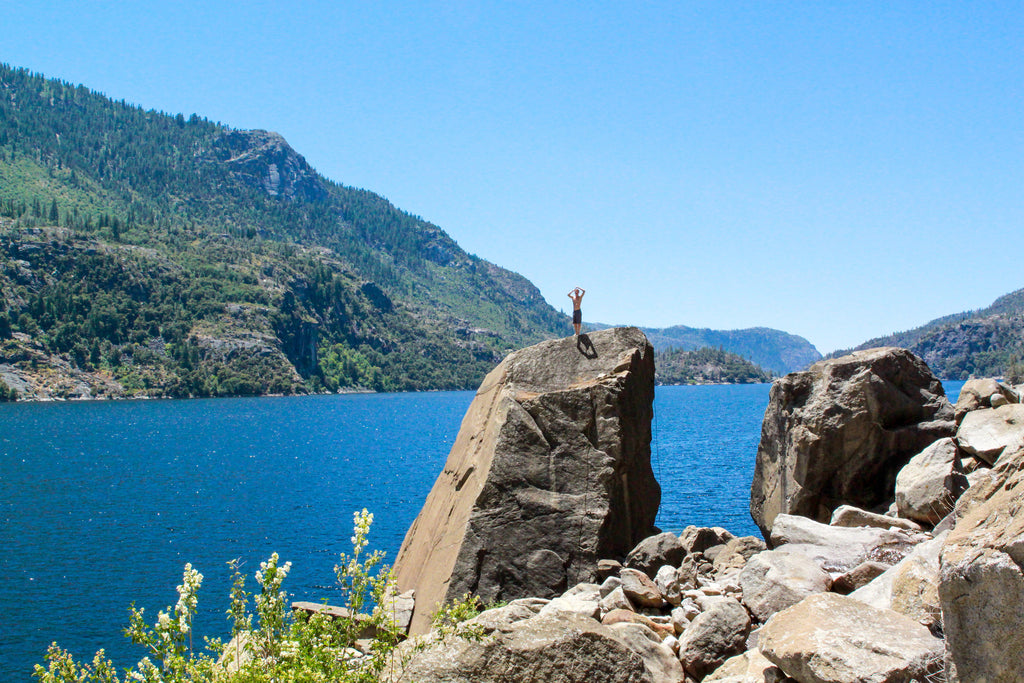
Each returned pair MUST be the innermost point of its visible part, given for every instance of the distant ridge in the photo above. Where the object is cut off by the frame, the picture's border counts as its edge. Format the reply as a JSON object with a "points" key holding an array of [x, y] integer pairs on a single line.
{"points": [[768, 348], [151, 254], [988, 342]]}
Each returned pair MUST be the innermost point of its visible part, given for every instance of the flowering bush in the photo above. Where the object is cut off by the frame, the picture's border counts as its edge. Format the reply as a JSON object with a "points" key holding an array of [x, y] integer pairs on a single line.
{"points": [[270, 644]]}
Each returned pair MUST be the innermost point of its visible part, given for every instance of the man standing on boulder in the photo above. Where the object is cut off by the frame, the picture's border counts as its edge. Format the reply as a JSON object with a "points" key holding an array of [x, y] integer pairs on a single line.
{"points": [[577, 315]]}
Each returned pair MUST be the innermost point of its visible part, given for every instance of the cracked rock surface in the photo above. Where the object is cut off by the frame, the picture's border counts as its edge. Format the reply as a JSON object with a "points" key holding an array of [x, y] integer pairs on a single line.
{"points": [[551, 471]]}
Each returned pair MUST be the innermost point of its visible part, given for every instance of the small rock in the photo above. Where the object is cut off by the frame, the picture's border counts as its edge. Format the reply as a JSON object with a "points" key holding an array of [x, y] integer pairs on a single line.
{"points": [[697, 539], [610, 584], [667, 581], [639, 588], [606, 568], [615, 600], [736, 553], [656, 551], [861, 575]]}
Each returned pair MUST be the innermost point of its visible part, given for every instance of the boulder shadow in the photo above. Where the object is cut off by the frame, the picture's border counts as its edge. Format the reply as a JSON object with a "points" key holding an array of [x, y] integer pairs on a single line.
{"points": [[585, 346]]}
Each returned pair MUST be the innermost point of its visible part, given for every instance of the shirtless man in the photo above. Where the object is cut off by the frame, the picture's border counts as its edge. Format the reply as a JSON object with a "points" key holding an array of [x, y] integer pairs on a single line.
{"points": [[577, 315]]}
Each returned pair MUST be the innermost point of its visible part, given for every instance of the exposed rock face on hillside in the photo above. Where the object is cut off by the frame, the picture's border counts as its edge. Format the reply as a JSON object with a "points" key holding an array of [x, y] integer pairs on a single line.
{"points": [[841, 430], [266, 161], [550, 472]]}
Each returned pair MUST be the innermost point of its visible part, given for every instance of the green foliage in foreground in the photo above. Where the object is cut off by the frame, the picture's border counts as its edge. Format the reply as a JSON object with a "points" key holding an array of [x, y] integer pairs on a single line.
{"points": [[706, 366], [269, 642]]}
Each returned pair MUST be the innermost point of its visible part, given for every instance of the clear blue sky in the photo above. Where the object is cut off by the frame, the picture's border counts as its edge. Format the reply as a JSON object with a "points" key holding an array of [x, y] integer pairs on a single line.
{"points": [[835, 170]]}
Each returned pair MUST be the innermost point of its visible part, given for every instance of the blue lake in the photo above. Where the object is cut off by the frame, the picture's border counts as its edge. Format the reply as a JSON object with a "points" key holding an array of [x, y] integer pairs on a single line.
{"points": [[102, 503]]}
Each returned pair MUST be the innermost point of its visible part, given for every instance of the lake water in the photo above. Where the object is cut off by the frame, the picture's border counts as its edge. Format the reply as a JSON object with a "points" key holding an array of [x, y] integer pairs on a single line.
{"points": [[102, 503]]}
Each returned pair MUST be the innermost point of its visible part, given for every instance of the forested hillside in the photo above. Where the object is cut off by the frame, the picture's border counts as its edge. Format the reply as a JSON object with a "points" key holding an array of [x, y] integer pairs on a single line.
{"points": [[774, 350], [706, 365], [984, 343], [149, 254]]}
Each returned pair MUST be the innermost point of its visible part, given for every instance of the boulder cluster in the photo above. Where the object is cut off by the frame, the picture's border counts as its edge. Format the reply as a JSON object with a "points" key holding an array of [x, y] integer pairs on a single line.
{"points": [[926, 585]]}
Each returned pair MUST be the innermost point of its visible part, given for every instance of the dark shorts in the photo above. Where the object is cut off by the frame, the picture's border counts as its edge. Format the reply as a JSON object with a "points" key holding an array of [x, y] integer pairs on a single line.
{"points": [[577, 317]]}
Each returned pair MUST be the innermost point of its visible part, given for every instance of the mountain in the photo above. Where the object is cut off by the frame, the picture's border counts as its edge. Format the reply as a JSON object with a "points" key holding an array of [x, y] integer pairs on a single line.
{"points": [[706, 366], [148, 254], [985, 343], [773, 350]]}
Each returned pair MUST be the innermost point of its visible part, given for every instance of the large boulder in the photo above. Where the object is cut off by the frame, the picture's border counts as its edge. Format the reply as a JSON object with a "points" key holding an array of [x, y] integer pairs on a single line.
{"points": [[981, 585], [839, 549], [840, 431], [748, 667], [833, 638], [776, 579], [567, 648], [927, 487], [715, 635], [550, 471], [988, 433], [978, 393], [849, 515], [911, 586], [654, 552]]}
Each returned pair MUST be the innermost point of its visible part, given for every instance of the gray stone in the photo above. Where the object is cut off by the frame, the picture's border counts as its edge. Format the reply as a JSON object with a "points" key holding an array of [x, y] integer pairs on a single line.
{"points": [[736, 553], [776, 579], [640, 589], [656, 551], [858, 577], [713, 636], [667, 581], [830, 637], [839, 432], [839, 549], [583, 605], [501, 618], [659, 657], [697, 539], [545, 649], [550, 471], [615, 600], [927, 487], [848, 515], [909, 587], [979, 393], [987, 433], [748, 667], [398, 609], [981, 588], [610, 584]]}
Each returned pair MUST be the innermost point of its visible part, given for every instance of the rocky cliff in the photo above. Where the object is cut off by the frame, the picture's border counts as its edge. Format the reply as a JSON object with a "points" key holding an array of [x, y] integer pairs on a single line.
{"points": [[550, 472]]}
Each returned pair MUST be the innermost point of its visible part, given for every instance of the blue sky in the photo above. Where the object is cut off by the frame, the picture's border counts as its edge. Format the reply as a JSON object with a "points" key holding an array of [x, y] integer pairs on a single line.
{"points": [[836, 170]]}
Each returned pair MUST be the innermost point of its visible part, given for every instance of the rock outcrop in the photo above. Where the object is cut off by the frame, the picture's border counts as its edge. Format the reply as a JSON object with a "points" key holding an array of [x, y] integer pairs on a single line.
{"points": [[263, 160], [840, 431], [550, 472]]}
